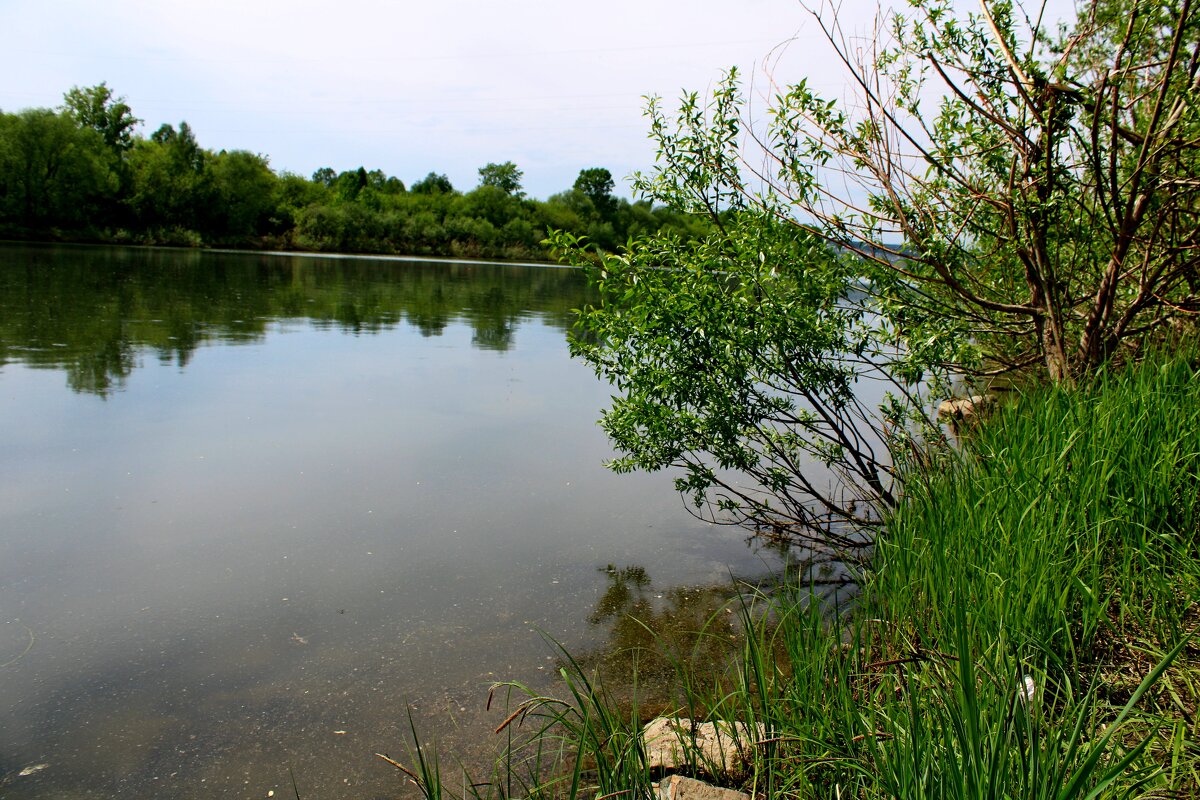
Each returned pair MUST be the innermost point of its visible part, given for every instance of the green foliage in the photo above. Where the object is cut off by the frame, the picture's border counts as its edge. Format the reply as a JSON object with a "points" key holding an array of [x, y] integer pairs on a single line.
{"points": [[506, 177], [245, 192], [433, 183], [379, 181], [737, 359], [52, 172], [172, 182], [349, 184], [1050, 194], [597, 184], [97, 108], [292, 193], [324, 176], [755, 358]]}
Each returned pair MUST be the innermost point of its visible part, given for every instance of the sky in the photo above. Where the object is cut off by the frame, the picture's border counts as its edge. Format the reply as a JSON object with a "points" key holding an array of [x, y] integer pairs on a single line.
{"points": [[406, 87]]}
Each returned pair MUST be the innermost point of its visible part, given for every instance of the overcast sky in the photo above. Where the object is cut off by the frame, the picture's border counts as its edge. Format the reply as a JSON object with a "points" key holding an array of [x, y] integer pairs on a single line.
{"points": [[407, 87]]}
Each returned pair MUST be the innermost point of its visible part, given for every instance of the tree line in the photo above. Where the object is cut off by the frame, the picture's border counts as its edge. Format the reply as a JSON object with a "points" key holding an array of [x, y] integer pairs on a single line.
{"points": [[84, 172]]}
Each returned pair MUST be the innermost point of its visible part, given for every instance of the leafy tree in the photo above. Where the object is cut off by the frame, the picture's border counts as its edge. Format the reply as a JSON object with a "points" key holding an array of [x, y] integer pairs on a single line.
{"points": [[95, 107], [506, 177], [172, 180], [1044, 185], [101, 180], [597, 184], [350, 183], [997, 197], [181, 144], [422, 232], [244, 190], [52, 172], [735, 358], [383, 183], [568, 211], [433, 183], [341, 227], [491, 203], [293, 193], [324, 176]]}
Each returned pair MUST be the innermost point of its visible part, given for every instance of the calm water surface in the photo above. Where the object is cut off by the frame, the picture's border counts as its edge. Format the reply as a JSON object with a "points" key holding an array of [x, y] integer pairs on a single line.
{"points": [[252, 507]]}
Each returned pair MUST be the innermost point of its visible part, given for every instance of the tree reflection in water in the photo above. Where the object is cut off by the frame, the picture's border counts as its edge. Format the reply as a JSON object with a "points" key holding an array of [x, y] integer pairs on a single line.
{"points": [[654, 635], [660, 643]]}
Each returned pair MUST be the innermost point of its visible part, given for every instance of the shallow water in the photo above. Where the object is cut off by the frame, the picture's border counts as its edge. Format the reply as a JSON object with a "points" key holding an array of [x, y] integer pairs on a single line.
{"points": [[254, 507]]}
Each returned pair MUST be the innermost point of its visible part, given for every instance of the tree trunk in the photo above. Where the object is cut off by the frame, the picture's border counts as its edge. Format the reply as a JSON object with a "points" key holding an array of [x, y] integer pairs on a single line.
{"points": [[1055, 355]]}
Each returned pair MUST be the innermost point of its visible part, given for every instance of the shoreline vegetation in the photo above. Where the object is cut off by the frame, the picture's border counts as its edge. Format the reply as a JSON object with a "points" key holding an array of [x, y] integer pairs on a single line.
{"points": [[82, 173], [1026, 629]]}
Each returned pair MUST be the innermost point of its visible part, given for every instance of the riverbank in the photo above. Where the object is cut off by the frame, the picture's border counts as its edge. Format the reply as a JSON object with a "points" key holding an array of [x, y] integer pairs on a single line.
{"points": [[536, 256], [265, 250], [1025, 631]]}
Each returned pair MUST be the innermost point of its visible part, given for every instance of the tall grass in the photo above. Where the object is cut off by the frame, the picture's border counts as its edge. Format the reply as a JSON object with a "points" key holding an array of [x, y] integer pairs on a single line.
{"points": [[1025, 632], [1064, 547], [1072, 512]]}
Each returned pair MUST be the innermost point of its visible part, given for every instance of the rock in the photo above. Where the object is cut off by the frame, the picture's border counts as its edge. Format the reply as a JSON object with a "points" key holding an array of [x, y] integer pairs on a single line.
{"points": [[717, 748], [961, 409], [677, 787]]}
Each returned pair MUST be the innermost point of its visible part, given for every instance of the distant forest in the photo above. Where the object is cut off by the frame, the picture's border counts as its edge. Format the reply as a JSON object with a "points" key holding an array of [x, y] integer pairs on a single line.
{"points": [[82, 172]]}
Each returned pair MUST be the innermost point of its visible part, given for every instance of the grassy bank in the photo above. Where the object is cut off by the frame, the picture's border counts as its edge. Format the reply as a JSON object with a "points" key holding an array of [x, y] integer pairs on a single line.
{"points": [[1024, 632]]}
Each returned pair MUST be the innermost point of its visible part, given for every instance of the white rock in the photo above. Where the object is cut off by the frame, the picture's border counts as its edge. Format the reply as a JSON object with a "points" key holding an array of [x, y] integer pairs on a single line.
{"points": [[717, 748], [964, 408], [678, 787]]}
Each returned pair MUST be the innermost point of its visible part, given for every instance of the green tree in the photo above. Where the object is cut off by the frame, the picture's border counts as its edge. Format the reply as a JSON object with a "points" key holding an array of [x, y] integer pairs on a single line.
{"points": [[597, 184], [433, 183], [736, 358], [1044, 185], [181, 144], [52, 172], [245, 194], [172, 184], [325, 176], [568, 211], [292, 194], [381, 182], [350, 183], [97, 108], [491, 203], [506, 177]]}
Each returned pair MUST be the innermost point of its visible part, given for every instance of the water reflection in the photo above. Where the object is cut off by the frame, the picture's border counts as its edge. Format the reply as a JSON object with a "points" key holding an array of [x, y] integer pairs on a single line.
{"points": [[95, 311], [651, 634]]}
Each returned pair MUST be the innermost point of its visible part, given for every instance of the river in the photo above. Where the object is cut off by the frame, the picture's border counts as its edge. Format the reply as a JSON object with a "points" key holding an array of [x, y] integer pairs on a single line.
{"points": [[254, 508]]}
